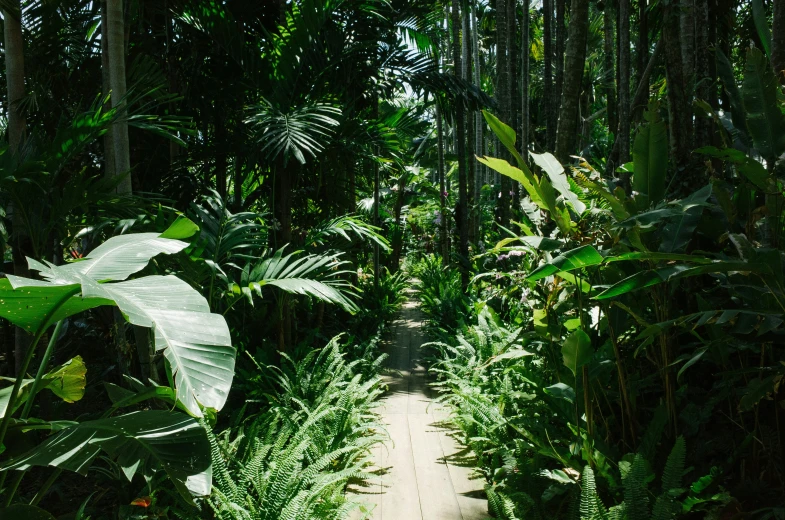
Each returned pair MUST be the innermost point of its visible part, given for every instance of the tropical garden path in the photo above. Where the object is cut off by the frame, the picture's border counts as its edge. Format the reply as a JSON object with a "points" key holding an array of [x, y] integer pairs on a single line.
{"points": [[425, 472]]}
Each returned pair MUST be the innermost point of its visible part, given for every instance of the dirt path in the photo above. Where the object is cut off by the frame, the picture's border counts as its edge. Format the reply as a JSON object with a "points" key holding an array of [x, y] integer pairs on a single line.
{"points": [[426, 472]]}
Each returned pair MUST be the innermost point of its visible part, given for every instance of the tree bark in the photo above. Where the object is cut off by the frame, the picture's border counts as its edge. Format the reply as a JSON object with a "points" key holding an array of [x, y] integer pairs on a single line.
{"points": [[15, 74], [478, 119], [610, 68], [624, 81], [525, 52], [502, 93], [109, 162], [550, 110], [462, 210], [573, 79], [642, 53], [466, 60], [687, 37], [679, 115], [116, 43], [445, 252], [778, 40], [703, 78], [17, 124], [560, 57]]}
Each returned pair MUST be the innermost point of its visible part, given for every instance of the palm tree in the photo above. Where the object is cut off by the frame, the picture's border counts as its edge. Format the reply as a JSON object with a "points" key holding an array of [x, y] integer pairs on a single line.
{"points": [[778, 40], [14, 72], [573, 79], [115, 34], [463, 203]]}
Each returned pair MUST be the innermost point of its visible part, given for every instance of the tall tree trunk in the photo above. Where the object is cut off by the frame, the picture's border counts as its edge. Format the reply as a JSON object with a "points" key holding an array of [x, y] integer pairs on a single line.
{"points": [[778, 40], [525, 52], [444, 250], [109, 162], [687, 38], [502, 93], [561, 37], [610, 68], [512, 98], [466, 71], [116, 37], [15, 74], [462, 211], [15, 83], [624, 81], [703, 77], [478, 119], [642, 54], [573, 79], [550, 109], [679, 115]]}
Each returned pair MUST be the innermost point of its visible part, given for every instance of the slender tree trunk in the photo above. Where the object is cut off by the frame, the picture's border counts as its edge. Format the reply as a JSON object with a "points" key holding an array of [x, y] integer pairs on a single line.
{"points": [[624, 81], [525, 52], [679, 115], [462, 210], [512, 91], [610, 68], [445, 252], [15, 83], [109, 162], [466, 59], [561, 37], [576, 57], [116, 37], [478, 119], [550, 109], [778, 40], [703, 78], [642, 54], [15, 74], [687, 38], [502, 93]]}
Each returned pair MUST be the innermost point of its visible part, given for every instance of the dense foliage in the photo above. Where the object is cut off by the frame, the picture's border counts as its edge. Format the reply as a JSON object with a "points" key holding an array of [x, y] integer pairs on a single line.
{"points": [[196, 196]]}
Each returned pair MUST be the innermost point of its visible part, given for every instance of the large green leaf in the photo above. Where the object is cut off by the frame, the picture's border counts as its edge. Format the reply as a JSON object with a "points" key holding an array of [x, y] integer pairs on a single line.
{"points": [[762, 25], [650, 156], [576, 350], [555, 171], [317, 276], [728, 78], [195, 342], [527, 180], [765, 120], [505, 134], [584, 256], [139, 441], [116, 259], [67, 382], [677, 232]]}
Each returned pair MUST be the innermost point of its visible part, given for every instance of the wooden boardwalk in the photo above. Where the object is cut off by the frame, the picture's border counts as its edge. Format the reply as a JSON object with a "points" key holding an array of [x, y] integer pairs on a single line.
{"points": [[426, 473]]}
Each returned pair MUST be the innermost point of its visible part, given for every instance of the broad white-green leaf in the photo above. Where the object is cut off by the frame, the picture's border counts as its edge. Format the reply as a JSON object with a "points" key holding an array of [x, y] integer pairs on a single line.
{"points": [[140, 442], [555, 171], [196, 342], [116, 259]]}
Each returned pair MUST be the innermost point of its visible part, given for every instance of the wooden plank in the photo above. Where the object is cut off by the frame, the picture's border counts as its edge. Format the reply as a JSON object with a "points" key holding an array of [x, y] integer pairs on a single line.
{"points": [[400, 499], [437, 497]]}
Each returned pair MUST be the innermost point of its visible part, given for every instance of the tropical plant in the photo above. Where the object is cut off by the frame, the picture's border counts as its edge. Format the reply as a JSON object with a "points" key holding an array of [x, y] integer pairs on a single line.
{"points": [[195, 344]]}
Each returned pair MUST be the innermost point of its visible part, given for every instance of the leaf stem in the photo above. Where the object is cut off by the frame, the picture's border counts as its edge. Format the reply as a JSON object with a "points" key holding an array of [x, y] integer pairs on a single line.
{"points": [[29, 357], [42, 370]]}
